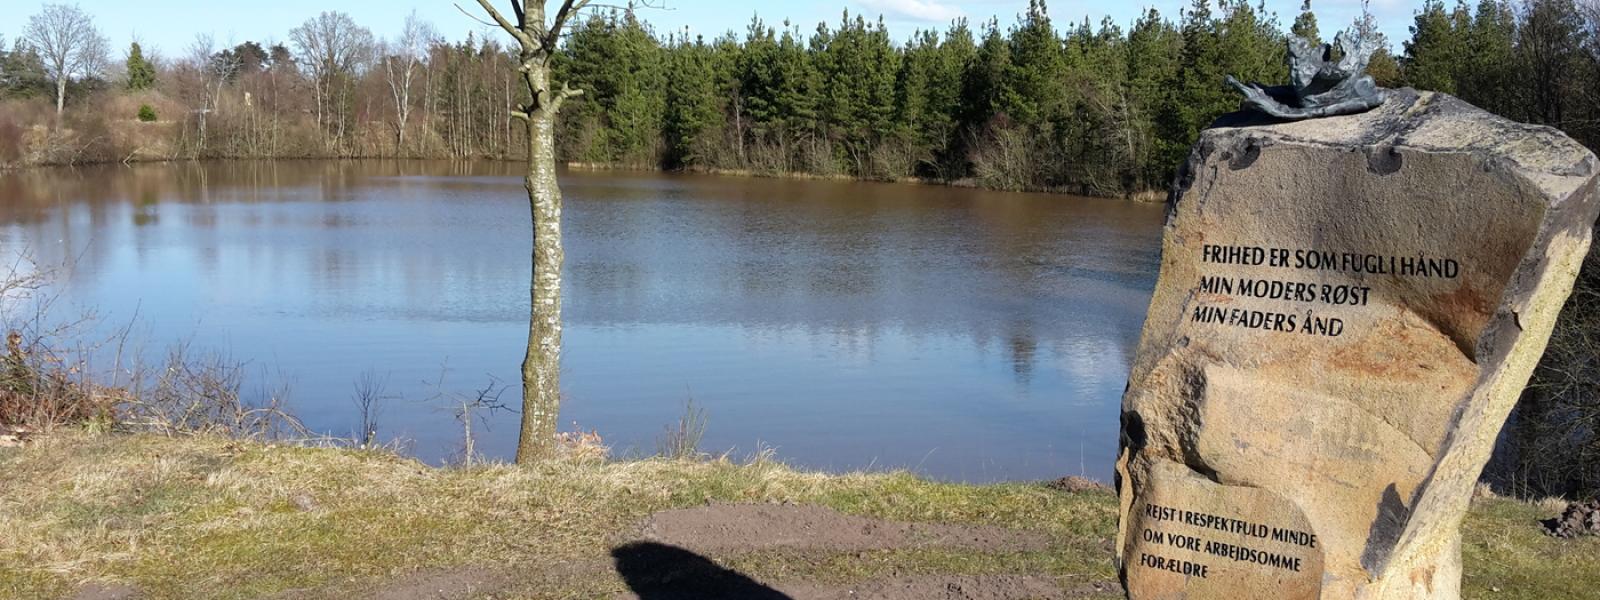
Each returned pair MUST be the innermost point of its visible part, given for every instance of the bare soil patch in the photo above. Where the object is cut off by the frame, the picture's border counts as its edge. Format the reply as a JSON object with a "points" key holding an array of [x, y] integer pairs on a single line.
{"points": [[105, 591], [450, 583], [462, 582], [945, 587], [927, 587], [722, 528]]}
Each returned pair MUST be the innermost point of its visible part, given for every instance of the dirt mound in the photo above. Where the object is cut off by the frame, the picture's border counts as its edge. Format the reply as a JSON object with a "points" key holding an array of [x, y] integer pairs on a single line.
{"points": [[747, 527], [1580, 518], [1074, 483]]}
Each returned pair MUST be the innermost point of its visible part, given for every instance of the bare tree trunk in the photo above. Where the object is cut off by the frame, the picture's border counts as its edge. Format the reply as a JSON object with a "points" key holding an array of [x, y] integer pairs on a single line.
{"points": [[541, 365], [322, 131]]}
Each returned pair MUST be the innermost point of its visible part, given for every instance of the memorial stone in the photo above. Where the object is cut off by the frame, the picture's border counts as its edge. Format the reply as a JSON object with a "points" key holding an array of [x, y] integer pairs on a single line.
{"points": [[1347, 310]]}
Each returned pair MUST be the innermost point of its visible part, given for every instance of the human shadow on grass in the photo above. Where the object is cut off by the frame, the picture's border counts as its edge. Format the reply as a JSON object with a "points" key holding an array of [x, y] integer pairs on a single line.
{"points": [[663, 572]]}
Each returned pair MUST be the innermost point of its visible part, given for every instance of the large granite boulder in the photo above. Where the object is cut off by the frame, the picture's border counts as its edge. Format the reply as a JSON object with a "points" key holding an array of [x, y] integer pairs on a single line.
{"points": [[1347, 310]]}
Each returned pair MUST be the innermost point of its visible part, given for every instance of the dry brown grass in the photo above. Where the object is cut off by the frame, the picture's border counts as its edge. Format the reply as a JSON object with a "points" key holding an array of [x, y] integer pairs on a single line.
{"points": [[206, 517], [211, 517]]}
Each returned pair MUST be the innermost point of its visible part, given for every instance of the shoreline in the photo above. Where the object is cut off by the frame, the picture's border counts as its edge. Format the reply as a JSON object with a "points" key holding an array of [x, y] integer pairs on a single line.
{"points": [[1142, 196]]}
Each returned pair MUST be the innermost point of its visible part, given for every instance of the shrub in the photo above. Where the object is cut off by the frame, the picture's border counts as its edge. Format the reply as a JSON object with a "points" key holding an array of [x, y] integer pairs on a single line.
{"points": [[683, 442], [1551, 446], [146, 113]]}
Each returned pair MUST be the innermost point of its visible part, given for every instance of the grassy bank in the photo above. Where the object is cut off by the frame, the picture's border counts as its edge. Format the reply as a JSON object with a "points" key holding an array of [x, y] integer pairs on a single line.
{"points": [[209, 517], [193, 517]]}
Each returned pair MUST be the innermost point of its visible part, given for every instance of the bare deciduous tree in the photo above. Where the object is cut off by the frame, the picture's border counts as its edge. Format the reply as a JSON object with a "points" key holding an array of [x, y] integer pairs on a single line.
{"points": [[69, 43], [214, 70], [400, 62], [541, 366], [334, 48]]}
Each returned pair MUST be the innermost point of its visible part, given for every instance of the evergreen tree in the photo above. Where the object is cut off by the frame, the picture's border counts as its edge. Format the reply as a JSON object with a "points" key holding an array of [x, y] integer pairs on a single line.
{"points": [[857, 68], [1155, 53], [1491, 79], [693, 117], [917, 122], [22, 72], [1102, 134], [249, 57], [778, 88], [1434, 54], [981, 83], [1200, 92], [911, 83], [141, 74], [641, 99], [1250, 43], [1305, 25], [958, 51], [1031, 91], [928, 98], [618, 62]]}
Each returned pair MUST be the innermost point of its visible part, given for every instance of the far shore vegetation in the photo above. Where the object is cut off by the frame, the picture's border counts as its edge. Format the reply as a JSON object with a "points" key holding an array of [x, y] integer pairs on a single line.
{"points": [[1043, 101]]}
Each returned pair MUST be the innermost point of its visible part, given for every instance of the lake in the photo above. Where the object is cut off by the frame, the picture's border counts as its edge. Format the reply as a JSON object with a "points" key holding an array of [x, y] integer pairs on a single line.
{"points": [[965, 334]]}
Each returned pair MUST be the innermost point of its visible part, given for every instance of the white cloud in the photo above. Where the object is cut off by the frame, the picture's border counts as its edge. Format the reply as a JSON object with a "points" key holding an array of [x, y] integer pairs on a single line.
{"points": [[913, 10]]}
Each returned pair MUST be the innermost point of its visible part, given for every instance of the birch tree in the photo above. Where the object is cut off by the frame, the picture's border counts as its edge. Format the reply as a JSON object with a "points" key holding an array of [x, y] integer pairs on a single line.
{"points": [[70, 44], [537, 39], [214, 70], [400, 63]]}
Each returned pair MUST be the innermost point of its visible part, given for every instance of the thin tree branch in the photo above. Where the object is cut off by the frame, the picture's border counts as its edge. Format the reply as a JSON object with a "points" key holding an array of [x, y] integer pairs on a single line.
{"points": [[528, 43], [568, 7], [474, 17]]}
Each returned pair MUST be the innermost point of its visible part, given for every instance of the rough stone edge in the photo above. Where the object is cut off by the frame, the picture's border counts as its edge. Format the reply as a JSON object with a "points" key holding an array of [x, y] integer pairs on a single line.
{"points": [[1509, 349], [1408, 111], [1571, 211]]}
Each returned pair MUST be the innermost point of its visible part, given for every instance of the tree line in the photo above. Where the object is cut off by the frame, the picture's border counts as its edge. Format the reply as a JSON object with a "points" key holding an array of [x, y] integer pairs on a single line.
{"points": [[1084, 107], [332, 90]]}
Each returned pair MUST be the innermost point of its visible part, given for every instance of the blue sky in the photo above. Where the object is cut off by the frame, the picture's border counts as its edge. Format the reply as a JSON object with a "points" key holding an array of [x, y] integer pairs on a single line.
{"points": [[169, 26]]}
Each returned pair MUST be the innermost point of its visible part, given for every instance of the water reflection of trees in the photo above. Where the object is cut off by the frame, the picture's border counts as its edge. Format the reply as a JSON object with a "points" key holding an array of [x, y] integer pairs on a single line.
{"points": [[1014, 274]]}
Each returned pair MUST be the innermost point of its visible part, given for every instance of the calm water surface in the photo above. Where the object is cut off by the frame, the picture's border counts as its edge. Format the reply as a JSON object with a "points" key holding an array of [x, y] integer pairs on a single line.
{"points": [[968, 335]]}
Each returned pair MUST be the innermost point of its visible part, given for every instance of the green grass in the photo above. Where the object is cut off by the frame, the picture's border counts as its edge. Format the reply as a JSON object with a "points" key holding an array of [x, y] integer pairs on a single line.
{"points": [[213, 518], [1506, 555]]}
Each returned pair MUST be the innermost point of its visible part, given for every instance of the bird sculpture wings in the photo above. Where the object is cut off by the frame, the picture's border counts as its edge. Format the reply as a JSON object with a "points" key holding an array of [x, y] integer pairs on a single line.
{"points": [[1319, 84]]}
